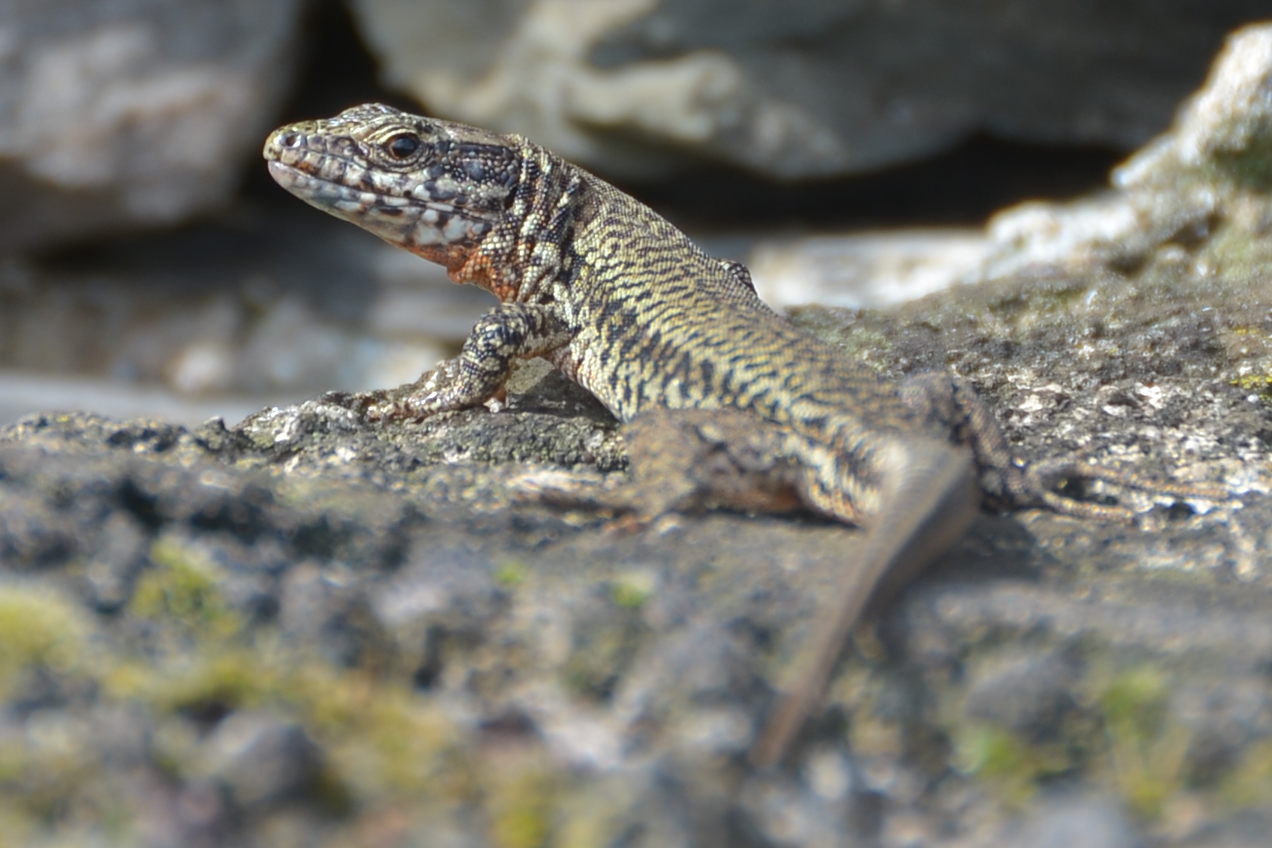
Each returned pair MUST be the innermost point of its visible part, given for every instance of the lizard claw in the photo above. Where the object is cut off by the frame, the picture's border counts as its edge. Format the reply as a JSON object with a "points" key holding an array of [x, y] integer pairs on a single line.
{"points": [[357, 402], [434, 392]]}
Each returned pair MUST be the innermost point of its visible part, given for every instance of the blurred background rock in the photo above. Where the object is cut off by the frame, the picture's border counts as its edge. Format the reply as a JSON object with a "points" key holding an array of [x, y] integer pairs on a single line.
{"points": [[148, 266]]}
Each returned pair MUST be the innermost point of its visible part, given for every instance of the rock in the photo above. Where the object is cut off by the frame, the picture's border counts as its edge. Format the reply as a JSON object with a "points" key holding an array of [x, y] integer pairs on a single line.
{"points": [[307, 629], [1182, 200], [1225, 130], [804, 90], [199, 323], [389, 599], [1065, 820], [261, 761], [1029, 693], [132, 113], [867, 269]]}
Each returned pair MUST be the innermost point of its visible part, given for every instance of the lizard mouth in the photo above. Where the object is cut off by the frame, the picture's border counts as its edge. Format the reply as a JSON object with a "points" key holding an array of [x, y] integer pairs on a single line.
{"points": [[402, 220], [335, 195]]}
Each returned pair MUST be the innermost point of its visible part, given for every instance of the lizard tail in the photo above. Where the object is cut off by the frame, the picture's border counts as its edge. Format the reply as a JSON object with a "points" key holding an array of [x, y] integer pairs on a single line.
{"points": [[927, 504]]}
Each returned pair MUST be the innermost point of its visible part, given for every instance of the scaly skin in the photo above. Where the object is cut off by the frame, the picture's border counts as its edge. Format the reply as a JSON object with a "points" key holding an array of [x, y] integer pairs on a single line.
{"points": [[626, 305]]}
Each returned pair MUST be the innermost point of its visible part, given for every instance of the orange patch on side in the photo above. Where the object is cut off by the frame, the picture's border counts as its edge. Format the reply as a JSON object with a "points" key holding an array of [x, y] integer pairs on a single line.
{"points": [[452, 257], [480, 270], [465, 264]]}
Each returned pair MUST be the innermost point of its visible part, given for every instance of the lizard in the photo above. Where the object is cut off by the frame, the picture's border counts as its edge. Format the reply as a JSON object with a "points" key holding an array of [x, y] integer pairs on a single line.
{"points": [[679, 347]]}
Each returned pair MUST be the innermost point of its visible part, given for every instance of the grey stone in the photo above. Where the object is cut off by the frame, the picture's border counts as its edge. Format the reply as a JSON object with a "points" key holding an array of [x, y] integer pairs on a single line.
{"points": [[260, 760], [120, 114], [1064, 820], [1208, 176], [798, 90], [1029, 693]]}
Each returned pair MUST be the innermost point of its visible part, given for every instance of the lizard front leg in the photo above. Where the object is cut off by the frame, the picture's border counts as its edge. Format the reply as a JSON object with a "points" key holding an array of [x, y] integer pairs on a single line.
{"points": [[509, 332]]}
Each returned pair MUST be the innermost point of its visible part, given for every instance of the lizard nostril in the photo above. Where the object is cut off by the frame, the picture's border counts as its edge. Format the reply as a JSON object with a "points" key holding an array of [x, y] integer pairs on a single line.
{"points": [[289, 139]]}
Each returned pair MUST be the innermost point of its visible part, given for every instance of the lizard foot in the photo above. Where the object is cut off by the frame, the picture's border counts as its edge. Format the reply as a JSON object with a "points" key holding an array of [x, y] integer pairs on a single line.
{"points": [[1046, 479], [379, 405], [436, 391], [623, 503]]}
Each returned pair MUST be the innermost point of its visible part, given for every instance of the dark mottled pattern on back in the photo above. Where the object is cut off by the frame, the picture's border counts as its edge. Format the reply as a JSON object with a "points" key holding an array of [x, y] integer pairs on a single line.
{"points": [[624, 303], [648, 319], [662, 324]]}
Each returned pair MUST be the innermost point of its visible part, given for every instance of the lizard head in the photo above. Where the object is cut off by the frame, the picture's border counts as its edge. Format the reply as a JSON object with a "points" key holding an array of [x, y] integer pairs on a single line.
{"points": [[433, 187]]}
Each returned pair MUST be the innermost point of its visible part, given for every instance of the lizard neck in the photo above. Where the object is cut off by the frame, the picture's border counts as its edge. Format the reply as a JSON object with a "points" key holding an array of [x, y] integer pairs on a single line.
{"points": [[521, 257]]}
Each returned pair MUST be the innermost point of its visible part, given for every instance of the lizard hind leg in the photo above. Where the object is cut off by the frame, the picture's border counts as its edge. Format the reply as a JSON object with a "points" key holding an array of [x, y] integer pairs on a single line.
{"points": [[1044, 480], [691, 460], [1009, 483]]}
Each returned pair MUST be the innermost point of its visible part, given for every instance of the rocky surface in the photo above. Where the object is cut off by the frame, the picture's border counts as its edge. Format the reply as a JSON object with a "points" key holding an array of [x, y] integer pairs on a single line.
{"points": [[303, 630], [307, 629], [1177, 199]]}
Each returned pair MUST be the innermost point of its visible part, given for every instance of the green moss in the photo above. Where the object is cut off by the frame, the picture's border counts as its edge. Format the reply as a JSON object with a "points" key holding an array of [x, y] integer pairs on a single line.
{"points": [[182, 586], [511, 573], [228, 679], [53, 779], [1249, 784], [1135, 701], [630, 591], [601, 653], [1249, 164], [591, 815], [38, 628], [51, 775], [521, 803], [384, 740], [1134, 740], [1006, 759], [1146, 749], [1128, 734]]}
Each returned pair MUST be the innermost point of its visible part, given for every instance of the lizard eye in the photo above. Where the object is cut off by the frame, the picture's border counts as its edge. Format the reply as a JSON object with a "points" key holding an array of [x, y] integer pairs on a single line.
{"points": [[403, 146]]}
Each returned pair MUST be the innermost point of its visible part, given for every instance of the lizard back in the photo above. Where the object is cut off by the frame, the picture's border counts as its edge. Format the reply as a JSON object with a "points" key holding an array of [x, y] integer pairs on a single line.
{"points": [[614, 295]]}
